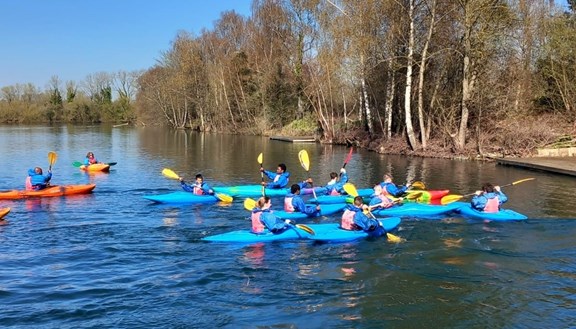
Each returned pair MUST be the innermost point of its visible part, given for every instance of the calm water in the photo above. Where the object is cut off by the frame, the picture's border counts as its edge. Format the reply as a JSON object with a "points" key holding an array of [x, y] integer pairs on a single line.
{"points": [[114, 260]]}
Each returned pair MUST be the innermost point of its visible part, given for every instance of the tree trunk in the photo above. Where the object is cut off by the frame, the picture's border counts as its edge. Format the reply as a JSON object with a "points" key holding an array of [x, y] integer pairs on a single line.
{"points": [[408, 92]]}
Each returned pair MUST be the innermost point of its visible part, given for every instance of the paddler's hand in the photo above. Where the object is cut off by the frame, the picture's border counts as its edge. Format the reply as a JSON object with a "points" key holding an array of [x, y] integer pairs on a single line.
{"points": [[264, 184]]}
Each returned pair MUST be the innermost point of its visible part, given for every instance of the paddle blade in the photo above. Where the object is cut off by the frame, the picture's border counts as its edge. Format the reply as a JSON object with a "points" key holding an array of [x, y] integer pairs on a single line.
{"points": [[112, 163], [418, 185], [520, 181], [450, 198], [223, 197], [393, 238], [77, 164], [249, 204], [304, 159], [170, 173], [350, 189], [260, 159], [413, 195], [52, 156], [348, 157], [306, 228]]}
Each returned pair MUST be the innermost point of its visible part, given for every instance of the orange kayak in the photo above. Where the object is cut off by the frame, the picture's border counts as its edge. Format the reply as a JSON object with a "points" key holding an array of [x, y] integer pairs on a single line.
{"points": [[4, 212], [57, 190], [96, 167]]}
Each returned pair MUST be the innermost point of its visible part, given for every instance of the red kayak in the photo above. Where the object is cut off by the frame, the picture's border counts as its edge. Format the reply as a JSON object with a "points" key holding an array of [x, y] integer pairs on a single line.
{"points": [[52, 191]]}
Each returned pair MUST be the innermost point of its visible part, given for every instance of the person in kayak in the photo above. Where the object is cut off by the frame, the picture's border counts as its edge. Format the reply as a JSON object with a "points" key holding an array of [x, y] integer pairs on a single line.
{"points": [[199, 187], [279, 179], [293, 202], [90, 159], [36, 180], [392, 189], [489, 199], [354, 219], [336, 183], [263, 218], [380, 199]]}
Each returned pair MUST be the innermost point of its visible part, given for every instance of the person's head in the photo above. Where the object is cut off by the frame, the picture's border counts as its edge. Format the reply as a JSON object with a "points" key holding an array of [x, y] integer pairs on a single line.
{"points": [[387, 178], [281, 168], [377, 189], [38, 170], [488, 188], [295, 189], [358, 201], [199, 179], [333, 175], [264, 202], [90, 155]]}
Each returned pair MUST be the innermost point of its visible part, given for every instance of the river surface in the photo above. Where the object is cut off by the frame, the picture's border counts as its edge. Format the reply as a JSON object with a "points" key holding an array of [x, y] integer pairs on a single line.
{"points": [[112, 259]]}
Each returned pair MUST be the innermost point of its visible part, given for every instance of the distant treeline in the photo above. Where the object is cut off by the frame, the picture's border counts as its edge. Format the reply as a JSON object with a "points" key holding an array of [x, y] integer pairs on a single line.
{"points": [[460, 73]]}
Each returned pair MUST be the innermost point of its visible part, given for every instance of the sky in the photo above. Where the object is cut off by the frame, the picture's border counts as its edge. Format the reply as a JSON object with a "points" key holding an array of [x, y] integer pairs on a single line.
{"points": [[72, 39]]}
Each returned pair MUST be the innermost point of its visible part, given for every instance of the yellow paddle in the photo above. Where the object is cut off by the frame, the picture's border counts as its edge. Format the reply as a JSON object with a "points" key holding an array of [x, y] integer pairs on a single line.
{"points": [[351, 189], [455, 197], [260, 161], [418, 185], [172, 175], [52, 156], [250, 204], [305, 163]]}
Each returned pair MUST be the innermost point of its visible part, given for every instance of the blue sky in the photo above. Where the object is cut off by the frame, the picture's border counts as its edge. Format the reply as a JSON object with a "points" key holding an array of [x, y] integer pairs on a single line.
{"points": [[74, 38]]}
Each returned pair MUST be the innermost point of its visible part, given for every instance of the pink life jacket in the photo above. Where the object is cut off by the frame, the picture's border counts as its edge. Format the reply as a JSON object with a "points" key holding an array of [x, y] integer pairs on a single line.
{"points": [[334, 192], [29, 184], [492, 205], [198, 189], [92, 160], [257, 226], [386, 202], [288, 207], [348, 220]]}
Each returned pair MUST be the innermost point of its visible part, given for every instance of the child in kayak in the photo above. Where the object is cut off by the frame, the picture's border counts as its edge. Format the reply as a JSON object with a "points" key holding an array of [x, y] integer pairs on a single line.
{"points": [[354, 219], [380, 199], [336, 183], [293, 202], [392, 189], [90, 159], [199, 187], [262, 217], [279, 179], [489, 199], [36, 180]]}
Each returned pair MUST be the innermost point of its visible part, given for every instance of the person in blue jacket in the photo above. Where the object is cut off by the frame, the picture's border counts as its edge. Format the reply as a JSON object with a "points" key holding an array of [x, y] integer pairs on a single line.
{"points": [[392, 189], [199, 187], [489, 199], [293, 202], [336, 184], [90, 159], [355, 219], [36, 180], [279, 179], [263, 217]]}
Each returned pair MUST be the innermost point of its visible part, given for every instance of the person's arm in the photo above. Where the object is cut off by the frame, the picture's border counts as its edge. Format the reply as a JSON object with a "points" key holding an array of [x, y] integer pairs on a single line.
{"points": [[185, 186], [206, 188], [86, 162], [478, 202], [503, 198], [269, 174], [271, 221], [48, 176]]}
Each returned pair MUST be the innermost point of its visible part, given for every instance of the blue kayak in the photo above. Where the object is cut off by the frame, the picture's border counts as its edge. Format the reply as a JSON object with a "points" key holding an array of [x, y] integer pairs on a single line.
{"points": [[248, 191], [323, 232], [333, 233], [331, 199], [325, 209], [181, 197], [466, 210], [417, 210], [246, 236]]}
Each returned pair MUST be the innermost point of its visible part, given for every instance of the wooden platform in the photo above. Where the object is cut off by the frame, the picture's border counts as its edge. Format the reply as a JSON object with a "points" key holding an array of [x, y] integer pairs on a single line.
{"points": [[560, 165], [302, 139]]}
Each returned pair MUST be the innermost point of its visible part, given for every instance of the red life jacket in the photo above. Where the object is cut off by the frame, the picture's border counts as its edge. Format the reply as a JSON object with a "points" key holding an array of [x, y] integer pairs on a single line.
{"points": [[288, 204], [198, 189], [334, 192], [386, 202], [492, 205], [92, 160], [348, 220], [257, 226]]}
